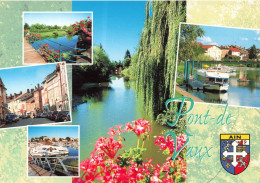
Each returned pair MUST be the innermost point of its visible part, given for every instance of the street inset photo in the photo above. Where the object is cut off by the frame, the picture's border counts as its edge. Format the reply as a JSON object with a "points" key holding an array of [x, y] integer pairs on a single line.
{"points": [[53, 150], [219, 65], [34, 95], [57, 37]]}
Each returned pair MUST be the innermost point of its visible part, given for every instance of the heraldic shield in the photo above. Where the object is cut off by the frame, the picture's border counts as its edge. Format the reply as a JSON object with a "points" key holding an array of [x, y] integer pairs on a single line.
{"points": [[235, 152]]}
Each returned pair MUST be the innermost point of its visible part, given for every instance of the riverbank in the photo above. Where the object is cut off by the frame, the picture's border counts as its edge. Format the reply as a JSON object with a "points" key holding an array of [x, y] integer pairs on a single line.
{"points": [[50, 34]]}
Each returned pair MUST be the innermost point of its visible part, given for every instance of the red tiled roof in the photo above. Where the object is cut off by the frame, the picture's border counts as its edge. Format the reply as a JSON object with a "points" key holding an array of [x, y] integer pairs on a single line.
{"points": [[207, 46], [234, 49]]}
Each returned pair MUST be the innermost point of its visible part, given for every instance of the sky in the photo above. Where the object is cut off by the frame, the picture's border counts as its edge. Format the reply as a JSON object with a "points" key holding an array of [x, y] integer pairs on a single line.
{"points": [[53, 131], [116, 25], [230, 36], [23, 78], [59, 19]]}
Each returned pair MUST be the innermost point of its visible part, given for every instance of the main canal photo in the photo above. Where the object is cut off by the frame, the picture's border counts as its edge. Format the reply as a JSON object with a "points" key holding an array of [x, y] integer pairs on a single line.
{"points": [[119, 101], [57, 37], [53, 151], [219, 65]]}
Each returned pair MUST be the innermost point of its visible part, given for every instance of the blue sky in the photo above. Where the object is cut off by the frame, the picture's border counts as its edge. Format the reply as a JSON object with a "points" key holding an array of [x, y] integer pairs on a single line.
{"points": [[23, 78], [53, 131], [117, 25], [59, 19], [228, 36]]}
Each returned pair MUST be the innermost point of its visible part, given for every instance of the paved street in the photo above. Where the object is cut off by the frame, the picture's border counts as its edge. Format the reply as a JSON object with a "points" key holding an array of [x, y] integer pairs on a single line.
{"points": [[29, 121]]}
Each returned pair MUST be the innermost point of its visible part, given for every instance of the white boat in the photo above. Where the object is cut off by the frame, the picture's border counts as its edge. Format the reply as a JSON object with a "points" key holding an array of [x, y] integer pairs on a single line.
{"points": [[213, 80], [47, 150]]}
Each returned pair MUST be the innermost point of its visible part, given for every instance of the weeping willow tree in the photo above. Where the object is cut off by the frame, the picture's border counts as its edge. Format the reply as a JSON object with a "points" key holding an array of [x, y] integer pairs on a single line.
{"points": [[155, 69]]}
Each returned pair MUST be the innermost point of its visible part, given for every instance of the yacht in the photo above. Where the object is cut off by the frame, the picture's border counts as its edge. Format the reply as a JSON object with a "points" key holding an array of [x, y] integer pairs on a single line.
{"points": [[48, 150]]}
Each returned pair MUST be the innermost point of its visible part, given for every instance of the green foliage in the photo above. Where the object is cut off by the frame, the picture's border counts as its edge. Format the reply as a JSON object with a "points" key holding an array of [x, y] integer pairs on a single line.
{"points": [[252, 52], [55, 33], [188, 48], [134, 154], [202, 57], [156, 54], [126, 62], [26, 26], [67, 138], [170, 116], [98, 72], [127, 54]]}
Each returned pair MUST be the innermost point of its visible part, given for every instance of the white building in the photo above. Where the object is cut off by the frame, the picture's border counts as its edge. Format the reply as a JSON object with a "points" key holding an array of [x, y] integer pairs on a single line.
{"points": [[213, 51]]}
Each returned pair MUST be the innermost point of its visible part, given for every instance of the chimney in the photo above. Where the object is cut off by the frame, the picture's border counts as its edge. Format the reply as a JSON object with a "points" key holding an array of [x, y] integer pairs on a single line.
{"points": [[15, 95], [28, 91], [38, 85], [21, 92], [32, 90]]}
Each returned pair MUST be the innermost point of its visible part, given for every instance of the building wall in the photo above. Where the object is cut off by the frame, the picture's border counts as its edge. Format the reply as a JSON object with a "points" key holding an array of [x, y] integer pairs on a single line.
{"points": [[214, 52]]}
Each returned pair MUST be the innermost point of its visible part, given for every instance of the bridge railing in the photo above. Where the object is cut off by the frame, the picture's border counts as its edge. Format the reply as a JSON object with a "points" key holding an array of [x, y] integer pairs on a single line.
{"points": [[60, 46], [52, 163]]}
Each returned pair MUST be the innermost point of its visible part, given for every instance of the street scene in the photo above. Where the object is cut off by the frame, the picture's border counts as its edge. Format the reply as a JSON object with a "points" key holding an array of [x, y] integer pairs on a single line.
{"points": [[34, 95]]}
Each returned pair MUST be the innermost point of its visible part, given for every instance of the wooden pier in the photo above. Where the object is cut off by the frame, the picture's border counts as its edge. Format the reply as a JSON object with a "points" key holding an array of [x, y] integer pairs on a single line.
{"points": [[38, 171], [187, 94], [31, 56]]}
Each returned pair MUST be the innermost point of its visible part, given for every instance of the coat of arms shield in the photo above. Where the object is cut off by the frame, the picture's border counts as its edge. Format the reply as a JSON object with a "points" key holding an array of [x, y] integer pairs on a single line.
{"points": [[235, 152]]}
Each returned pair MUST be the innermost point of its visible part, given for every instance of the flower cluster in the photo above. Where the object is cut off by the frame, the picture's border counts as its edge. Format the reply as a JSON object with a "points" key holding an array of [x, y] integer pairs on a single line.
{"points": [[105, 165], [33, 37], [83, 27], [50, 55], [170, 144]]}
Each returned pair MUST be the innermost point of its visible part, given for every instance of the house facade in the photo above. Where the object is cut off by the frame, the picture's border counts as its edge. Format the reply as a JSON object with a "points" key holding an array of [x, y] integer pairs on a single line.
{"points": [[212, 51], [3, 110]]}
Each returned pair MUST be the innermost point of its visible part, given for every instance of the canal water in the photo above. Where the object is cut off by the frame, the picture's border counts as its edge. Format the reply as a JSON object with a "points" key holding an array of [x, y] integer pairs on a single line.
{"points": [[107, 107], [70, 41], [73, 151], [240, 93]]}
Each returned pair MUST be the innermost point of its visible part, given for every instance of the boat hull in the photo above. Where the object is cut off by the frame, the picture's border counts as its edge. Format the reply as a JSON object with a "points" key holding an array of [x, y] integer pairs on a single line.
{"points": [[220, 88]]}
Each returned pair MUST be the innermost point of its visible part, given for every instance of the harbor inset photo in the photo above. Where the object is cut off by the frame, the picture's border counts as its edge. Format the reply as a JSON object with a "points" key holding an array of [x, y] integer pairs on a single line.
{"points": [[57, 37], [219, 65], [34, 95], [53, 150]]}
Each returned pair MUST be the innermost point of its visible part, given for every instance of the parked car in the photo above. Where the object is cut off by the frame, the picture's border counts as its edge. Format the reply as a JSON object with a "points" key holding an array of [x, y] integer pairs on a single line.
{"points": [[49, 114], [16, 118], [53, 115], [61, 116], [68, 117], [44, 115], [38, 115], [10, 118]]}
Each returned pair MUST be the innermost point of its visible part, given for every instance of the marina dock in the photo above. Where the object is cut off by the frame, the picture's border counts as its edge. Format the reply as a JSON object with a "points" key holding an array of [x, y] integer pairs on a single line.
{"points": [[35, 170], [187, 94]]}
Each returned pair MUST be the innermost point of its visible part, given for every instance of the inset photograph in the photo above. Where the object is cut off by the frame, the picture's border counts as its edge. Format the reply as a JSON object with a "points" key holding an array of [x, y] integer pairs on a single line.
{"points": [[34, 95], [57, 37], [219, 65], [53, 150]]}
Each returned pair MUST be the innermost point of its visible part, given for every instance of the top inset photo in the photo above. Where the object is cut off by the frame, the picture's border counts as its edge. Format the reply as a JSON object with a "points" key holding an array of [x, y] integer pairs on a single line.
{"points": [[219, 65], [50, 37]]}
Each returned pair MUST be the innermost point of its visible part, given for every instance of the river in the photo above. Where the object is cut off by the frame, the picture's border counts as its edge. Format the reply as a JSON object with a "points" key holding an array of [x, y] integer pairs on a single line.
{"points": [[246, 93], [110, 106], [69, 42]]}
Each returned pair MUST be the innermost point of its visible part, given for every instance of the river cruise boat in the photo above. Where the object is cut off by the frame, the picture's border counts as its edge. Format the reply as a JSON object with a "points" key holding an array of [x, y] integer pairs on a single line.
{"points": [[213, 80], [47, 150]]}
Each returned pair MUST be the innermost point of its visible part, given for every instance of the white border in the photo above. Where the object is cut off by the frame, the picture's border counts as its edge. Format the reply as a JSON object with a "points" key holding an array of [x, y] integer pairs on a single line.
{"points": [[90, 12], [68, 134], [70, 110], [178, 59]]}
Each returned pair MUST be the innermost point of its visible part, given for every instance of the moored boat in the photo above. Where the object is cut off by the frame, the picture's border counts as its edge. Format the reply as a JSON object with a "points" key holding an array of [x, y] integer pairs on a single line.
{"points": [[213, 80]]}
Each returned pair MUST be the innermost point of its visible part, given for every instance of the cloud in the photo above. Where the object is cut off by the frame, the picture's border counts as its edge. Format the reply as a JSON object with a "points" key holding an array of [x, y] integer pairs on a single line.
{"points": [[207, 40], [257, 39], [244, 38], [257, 32]]}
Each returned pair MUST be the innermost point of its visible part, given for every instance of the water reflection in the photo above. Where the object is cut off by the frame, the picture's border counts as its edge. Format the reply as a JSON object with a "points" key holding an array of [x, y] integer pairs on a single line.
{"points": [[109, 106], [244, 90]]}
